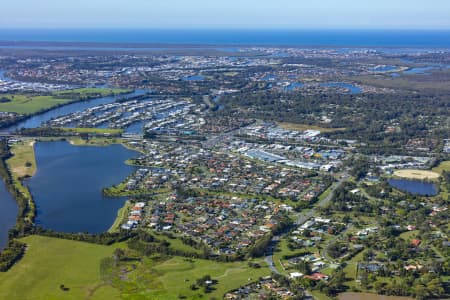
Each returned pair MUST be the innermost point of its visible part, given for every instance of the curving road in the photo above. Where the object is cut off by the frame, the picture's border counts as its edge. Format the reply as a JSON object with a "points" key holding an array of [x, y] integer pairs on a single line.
{"points": [[302, 217]]}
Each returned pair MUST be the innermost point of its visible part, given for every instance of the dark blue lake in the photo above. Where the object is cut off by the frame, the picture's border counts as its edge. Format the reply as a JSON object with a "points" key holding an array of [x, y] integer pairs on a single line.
{"points": [[8, 213], [414, 187], [67, 187], [350, 87], [194, 78]]}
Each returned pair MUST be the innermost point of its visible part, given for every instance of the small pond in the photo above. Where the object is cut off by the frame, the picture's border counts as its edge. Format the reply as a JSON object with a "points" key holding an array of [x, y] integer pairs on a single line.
{"points": [[414, 187]]}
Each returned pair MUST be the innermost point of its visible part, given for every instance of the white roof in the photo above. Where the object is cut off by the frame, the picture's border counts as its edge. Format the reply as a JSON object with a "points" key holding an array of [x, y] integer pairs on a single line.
{"points": [[295, 274]]}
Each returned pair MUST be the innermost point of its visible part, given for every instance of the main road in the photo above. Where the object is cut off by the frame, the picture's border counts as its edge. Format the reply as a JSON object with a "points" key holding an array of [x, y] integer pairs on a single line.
{"points": [[302, 217]]}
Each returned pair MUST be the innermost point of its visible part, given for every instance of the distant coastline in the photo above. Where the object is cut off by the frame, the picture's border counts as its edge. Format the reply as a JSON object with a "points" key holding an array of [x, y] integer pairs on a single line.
{"points": [[153, 38]]}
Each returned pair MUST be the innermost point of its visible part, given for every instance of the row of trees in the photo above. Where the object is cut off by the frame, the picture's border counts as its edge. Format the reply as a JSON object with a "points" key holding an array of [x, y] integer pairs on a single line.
{"points": [[26, 213], [365, 117], [104, 238], [11, 254]]}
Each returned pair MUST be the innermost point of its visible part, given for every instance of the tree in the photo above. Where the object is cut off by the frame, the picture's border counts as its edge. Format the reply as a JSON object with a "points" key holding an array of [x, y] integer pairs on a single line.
{"points": [[435, 287], [336, 284], [379, 287], [118, 254], [421, 291], [303, 267], [360, 168], [259, 248]]}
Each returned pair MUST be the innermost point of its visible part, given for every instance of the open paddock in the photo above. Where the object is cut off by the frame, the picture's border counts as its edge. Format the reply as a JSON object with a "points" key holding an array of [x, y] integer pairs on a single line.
{"points": [[417, 174]]}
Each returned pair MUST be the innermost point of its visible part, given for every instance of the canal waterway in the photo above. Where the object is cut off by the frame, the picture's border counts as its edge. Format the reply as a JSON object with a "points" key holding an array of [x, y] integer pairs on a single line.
{"points": [[67, 187], [37, 120], [112, 172]]}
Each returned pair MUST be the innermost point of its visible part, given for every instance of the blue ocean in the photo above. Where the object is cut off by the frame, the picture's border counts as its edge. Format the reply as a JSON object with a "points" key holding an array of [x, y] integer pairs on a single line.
{"points": [[325, 38]]}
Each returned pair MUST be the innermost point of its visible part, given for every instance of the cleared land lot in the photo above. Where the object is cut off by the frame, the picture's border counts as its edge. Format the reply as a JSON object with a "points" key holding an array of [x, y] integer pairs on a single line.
{"points": [[29, 103], [417, 174], [23, 161], [49, 263], [24, 104], [177, 274], [303, 127]]}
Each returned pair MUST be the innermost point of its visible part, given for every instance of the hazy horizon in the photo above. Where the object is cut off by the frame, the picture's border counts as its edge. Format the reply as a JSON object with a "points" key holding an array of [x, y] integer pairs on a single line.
{"points": [[231, 14], [207, 28]]}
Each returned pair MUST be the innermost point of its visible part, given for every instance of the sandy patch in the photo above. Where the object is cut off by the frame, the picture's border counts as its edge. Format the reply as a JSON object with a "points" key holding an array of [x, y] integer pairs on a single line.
{"points": [[416, 174]]}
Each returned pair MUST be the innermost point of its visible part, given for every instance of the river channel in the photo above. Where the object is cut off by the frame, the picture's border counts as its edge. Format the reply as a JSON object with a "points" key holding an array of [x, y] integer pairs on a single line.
{"points": [[37, 120]]}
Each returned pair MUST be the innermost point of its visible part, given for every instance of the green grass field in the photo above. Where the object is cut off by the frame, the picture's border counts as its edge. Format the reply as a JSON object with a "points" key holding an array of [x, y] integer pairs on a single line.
{"points": [[94, 130], [122, 217], [29, 104], [23, 163], [350, 269], [177, 274], [177, 243], [443, 166], [50, 262], [281, 250], [23, 153], [319, 296], [87, 91], [24, 104], [95, 141], [409, 235]]}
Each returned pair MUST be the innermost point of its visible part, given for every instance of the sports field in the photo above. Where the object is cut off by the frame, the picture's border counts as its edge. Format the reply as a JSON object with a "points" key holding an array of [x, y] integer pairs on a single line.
{"points": [[416, 174]]}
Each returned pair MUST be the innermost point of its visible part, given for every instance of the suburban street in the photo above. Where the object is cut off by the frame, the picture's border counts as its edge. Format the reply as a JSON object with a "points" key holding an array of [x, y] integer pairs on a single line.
{"points": [[301, 218]]}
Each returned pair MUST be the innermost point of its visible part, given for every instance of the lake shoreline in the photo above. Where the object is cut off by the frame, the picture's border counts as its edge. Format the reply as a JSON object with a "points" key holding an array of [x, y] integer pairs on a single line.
{"points": [[16, 182], [12, 126], [415, 186], [64, 156]]}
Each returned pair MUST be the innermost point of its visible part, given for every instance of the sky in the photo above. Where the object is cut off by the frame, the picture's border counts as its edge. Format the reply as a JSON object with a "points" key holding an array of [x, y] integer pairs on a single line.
{"points": [[229, 14]]}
